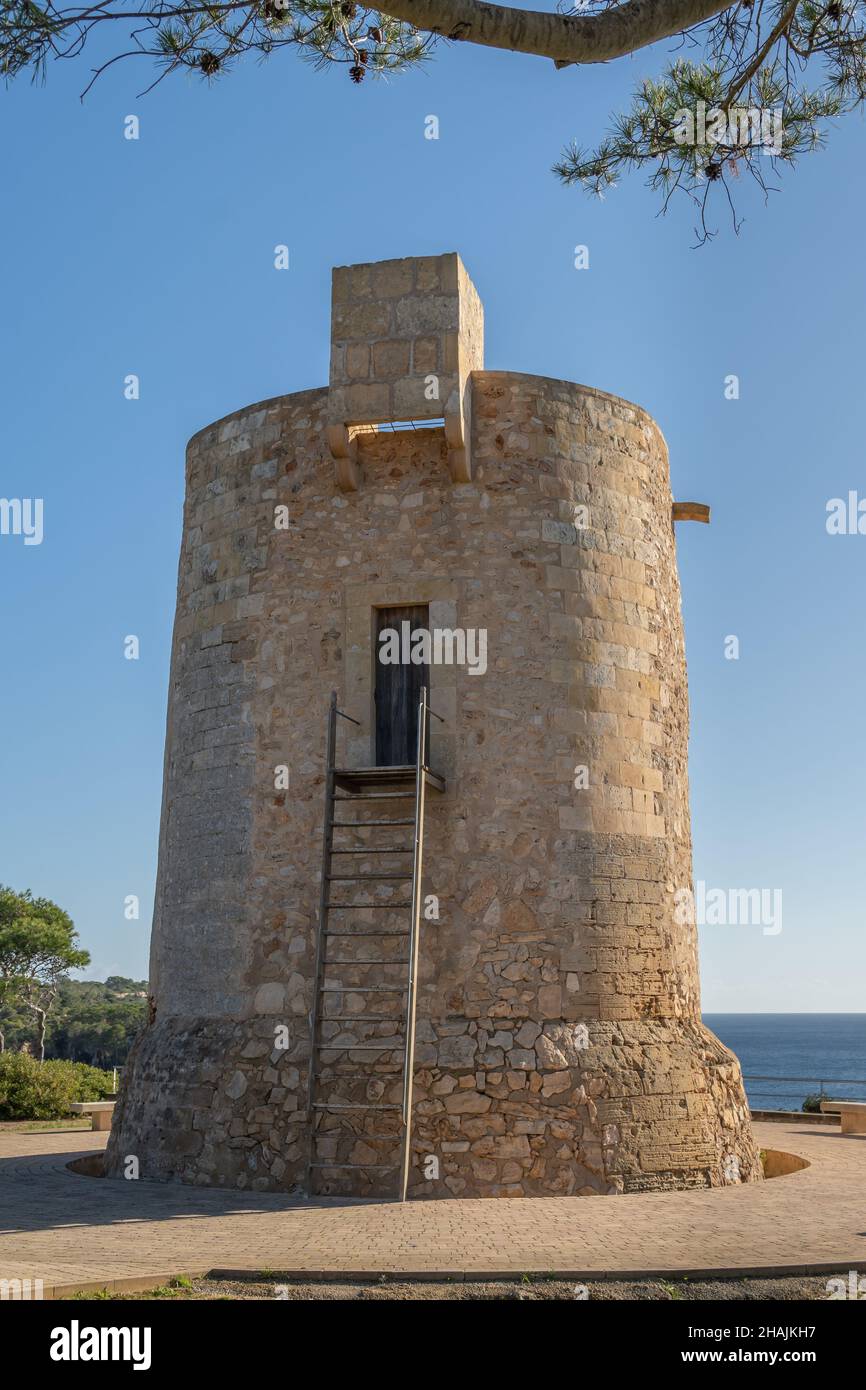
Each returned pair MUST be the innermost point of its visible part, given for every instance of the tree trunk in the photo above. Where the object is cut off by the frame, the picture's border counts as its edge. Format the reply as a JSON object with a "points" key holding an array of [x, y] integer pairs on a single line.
{"points": [[565, 38], [41, 1019]]}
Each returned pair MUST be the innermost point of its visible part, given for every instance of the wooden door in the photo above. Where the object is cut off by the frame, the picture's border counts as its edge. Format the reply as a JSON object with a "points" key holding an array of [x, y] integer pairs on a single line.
{"points": [[398, 688]]}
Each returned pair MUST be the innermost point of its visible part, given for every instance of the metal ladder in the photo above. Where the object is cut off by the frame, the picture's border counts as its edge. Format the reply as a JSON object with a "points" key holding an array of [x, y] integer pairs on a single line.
{"points": [[355, 787]]}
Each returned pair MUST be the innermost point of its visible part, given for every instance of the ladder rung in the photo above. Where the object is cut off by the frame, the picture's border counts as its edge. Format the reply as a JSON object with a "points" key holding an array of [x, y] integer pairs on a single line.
{"points": [[362, 824], [388, 907], [342, 1133], [389, 931], [362, 878], [356, 1018], [379, 796], [367, 1076], [363, 989], [364, 1167], [401, 960], [330, 1105], [377, 849]]}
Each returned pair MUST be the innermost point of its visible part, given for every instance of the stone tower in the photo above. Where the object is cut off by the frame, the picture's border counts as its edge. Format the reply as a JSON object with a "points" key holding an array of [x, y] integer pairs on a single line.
{"points": [[559, 1047]]}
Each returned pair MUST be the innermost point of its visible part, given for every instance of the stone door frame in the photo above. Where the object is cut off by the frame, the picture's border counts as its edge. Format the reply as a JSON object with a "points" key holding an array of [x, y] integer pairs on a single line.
{"points": [[360, 602]]}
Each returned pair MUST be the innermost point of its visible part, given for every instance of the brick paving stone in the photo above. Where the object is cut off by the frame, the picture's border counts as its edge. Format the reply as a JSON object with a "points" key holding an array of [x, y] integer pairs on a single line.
{"points": [[73, 1231]]}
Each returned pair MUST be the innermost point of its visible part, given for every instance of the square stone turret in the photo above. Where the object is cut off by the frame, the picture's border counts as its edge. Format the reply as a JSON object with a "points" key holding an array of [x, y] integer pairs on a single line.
{"points": [[406, 336]]}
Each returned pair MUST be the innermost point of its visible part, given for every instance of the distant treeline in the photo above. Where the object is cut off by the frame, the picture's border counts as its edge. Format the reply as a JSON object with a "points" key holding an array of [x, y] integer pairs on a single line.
{"points": [[93, 1021]]}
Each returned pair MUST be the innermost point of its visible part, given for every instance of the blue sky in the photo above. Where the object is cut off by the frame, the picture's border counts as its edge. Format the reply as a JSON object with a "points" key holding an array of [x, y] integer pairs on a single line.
{"points": [[155, 257]]}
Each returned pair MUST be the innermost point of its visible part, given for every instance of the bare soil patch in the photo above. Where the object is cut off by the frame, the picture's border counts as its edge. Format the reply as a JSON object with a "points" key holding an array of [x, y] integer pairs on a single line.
{"points": [[795, 1288]]}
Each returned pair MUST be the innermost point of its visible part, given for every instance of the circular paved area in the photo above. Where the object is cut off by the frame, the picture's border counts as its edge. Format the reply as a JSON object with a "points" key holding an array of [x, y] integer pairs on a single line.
{"points": [[75, 1232]]}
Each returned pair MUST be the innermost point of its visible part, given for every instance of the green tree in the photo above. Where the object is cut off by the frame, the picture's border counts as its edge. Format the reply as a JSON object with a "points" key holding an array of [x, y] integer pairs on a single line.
{"points": [[802, 59], [91, 1021], [95, 1022], [38, 948], [14, 1020]]}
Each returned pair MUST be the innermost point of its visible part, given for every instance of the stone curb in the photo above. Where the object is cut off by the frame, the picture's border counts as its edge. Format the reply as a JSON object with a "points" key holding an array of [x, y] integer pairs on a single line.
{"points": [[138, 1283], [142, 1283]]}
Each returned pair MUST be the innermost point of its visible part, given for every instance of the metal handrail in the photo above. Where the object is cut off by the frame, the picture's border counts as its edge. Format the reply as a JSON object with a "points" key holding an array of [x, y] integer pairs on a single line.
{"points": [[808, 1080], [343, 715], [412, 992], [765, 1095], [327, 841]]}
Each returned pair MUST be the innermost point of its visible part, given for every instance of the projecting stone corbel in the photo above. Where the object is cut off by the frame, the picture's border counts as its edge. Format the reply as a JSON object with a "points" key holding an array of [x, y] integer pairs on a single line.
{"points": [[344, 451], [456, 437], [690, 511]]}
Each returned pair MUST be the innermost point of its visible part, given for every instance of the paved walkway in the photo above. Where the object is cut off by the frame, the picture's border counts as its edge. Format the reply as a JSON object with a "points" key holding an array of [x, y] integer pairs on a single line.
{"points": [[75, 1232]]}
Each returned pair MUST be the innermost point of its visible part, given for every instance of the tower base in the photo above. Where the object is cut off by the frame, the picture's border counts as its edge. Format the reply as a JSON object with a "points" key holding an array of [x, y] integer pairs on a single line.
{"points": [[571, 1109]]}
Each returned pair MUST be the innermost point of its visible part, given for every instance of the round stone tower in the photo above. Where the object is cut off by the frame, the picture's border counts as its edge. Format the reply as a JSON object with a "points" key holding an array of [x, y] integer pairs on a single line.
{"points": [[526, 526]]}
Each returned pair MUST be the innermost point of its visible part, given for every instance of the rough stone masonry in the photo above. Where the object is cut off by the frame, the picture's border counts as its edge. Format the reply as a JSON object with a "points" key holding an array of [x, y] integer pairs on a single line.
{"points": [[559, 1042]]}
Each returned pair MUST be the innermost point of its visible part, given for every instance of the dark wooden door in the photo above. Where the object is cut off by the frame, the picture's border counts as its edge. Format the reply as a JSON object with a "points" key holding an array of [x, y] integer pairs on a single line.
{"points": [[398, 688]]}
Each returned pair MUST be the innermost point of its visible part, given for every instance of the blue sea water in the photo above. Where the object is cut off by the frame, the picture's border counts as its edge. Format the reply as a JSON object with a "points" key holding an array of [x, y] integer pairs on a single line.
{"points": [[811, 1047]]}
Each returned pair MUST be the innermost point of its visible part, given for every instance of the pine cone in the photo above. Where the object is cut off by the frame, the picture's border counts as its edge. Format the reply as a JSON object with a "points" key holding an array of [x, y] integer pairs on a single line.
{"points": [[349, 9], [375, 35], [356, 72], [209, 64]]}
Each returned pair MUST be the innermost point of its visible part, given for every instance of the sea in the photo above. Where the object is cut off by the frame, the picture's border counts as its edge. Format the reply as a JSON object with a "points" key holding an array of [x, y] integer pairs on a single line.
{"points": [[800, 1052]]}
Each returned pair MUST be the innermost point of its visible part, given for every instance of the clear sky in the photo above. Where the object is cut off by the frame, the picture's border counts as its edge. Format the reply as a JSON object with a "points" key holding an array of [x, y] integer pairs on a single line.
{"points": [[155, 257]]}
